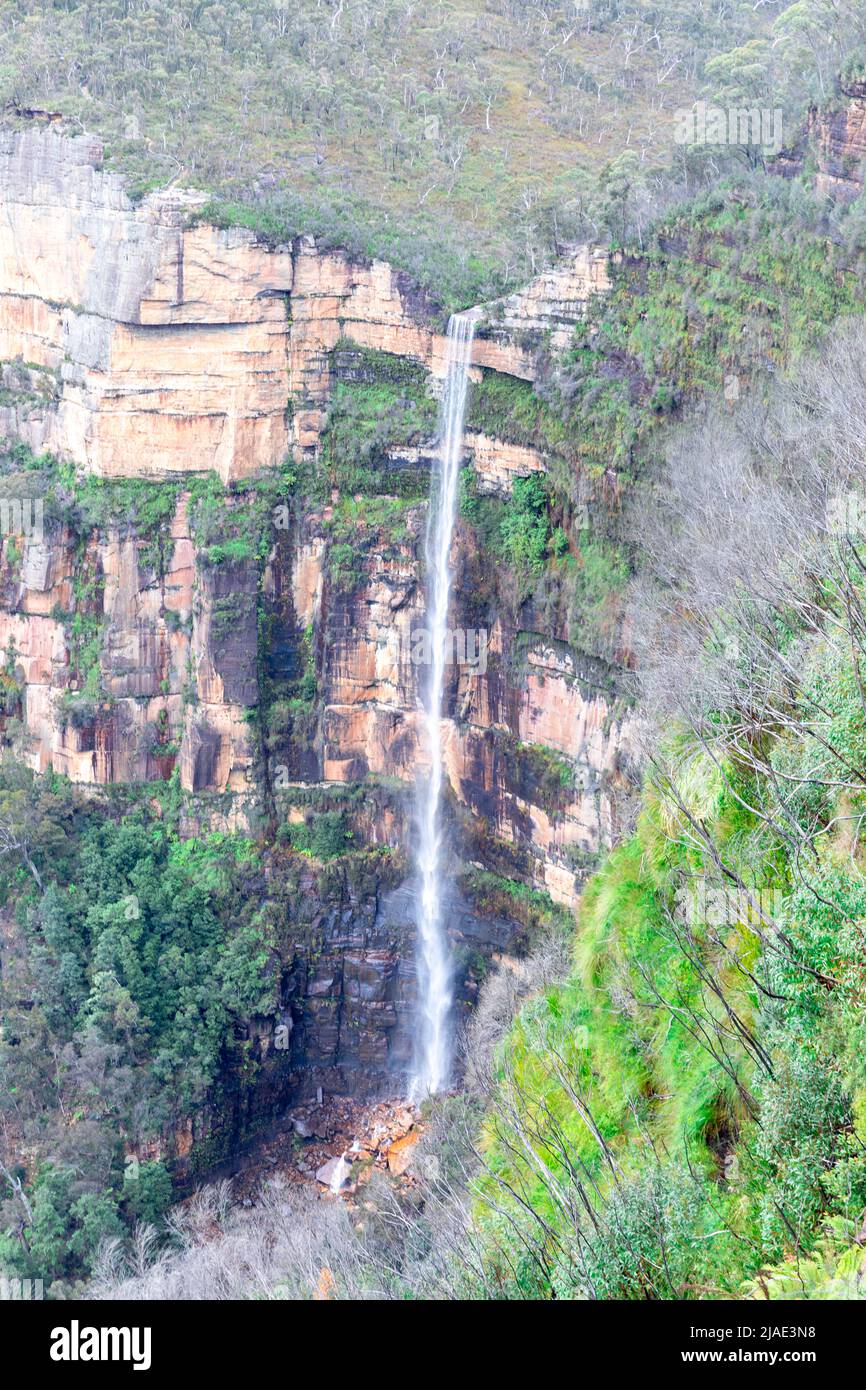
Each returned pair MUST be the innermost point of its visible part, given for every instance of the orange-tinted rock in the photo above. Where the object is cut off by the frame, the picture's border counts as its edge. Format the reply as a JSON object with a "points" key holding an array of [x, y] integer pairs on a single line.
{"points": [[840, 138], [402, 1152], [176, 347], [146, 655], [497, 463]]}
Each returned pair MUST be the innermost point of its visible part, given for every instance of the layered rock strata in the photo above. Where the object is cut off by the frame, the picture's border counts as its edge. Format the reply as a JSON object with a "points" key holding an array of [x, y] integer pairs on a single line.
{"points": [[139, 340], [175, 666], [165, 345]]}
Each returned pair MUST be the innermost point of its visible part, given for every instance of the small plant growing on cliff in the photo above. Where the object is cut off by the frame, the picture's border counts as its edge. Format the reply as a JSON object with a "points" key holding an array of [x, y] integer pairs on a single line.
{"points": [[343, 566], [325, 835], [559, 543], [525, 527], [11, 682], [467, 493]]}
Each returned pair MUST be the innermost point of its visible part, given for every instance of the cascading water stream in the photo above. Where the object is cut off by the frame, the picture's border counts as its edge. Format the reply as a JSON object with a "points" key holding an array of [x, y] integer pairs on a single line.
{"points": [[342, 1169], [433, 1054]]}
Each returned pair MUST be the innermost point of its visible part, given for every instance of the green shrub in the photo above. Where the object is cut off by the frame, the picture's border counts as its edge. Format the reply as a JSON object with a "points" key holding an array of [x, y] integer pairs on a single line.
{"points": [[651, 1239], [525, 528], [324, 835], [803, 1110]]}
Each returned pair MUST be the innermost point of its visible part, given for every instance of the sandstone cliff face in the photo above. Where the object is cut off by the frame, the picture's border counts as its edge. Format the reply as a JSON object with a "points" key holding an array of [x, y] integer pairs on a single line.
{"points": [[169, 342], [178, 679], [345, 1022], [155, 346], [539, 702], [351, 991], [174, 344], [171, 688], [138, 342], [837, 142], [841, 145], [496, 461], [550, 305], [179, 676], [525, 694]]}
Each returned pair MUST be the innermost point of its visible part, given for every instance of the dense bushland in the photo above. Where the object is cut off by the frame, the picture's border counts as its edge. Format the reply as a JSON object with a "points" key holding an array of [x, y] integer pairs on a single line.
{"points": [[727, 290], [685, 1111], [134, 961], [466, 143]]}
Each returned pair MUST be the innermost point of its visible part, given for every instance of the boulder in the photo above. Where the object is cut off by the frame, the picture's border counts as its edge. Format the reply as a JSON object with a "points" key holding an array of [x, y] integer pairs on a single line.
{"points": [[401, 1153]]}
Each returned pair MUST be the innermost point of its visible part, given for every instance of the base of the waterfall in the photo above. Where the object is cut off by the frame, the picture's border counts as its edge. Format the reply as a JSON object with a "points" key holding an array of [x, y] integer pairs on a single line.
{"points": [[386, 1135], [371, 1136]]}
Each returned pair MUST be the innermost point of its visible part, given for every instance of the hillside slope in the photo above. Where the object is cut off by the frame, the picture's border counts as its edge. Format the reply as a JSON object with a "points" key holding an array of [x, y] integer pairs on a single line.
{"points": [[464, 141]]}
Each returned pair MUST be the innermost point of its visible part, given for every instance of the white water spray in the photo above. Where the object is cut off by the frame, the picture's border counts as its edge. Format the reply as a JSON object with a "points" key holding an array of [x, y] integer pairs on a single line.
{"points": [[342, 1169], [433, 1057]]}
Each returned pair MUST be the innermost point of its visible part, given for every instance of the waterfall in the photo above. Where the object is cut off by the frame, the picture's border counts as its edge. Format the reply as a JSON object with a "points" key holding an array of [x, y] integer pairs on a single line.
{"points": [[342, 1169], [433, 1052]]}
